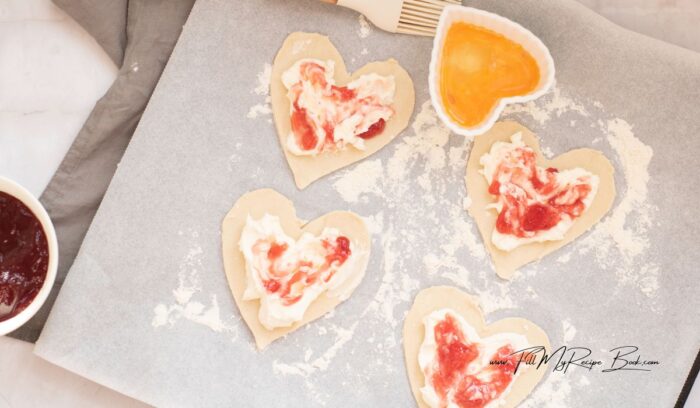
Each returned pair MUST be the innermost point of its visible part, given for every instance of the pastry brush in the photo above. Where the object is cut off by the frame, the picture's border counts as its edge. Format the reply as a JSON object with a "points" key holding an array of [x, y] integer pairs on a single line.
{"points": [[417, 17]]}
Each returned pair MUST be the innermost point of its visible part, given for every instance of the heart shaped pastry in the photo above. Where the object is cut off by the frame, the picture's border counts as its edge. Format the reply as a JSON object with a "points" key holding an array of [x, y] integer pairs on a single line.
{"points": [[544, 205], [284, 273], [454, 359], [357, 119]]}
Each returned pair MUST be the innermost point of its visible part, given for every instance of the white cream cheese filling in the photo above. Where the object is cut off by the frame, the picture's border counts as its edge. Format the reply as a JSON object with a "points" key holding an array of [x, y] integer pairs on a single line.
{"points": [[255, 242], [374, 96], [488, 346], [490, 162]]}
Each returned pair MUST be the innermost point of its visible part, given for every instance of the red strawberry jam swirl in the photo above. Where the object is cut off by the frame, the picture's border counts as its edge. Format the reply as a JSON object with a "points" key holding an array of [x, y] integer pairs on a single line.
{"points": [[534, 199], [451, 378], [24, 256], [314, 130], [289, 281]]}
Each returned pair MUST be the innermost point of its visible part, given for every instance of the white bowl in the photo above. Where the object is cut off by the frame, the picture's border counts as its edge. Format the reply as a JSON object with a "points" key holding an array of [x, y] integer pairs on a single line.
{"points": [[511, 30], [10, 187]]}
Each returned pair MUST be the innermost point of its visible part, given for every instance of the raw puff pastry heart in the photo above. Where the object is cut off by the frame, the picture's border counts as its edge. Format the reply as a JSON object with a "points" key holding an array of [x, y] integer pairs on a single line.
{"points": [[507, 262], [445, 297], [307, 169], [266, 201]]}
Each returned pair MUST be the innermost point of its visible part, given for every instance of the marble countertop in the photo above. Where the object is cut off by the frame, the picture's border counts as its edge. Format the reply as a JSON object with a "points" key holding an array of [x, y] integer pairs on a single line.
{"points": [[52, 73]]}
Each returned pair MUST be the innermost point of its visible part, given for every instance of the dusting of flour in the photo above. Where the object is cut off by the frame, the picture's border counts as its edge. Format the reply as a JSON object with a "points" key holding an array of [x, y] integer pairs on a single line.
{"points": [[184, 304], [262, 88], [569, 330], [554, 392], [552, 104], [320, 363], [629, 223], [365, 29], [366, 180], [422, 158]]}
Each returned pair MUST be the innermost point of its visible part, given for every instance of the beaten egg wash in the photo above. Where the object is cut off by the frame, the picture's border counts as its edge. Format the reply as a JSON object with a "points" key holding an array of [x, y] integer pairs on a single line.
{"points": [[477, 68]]}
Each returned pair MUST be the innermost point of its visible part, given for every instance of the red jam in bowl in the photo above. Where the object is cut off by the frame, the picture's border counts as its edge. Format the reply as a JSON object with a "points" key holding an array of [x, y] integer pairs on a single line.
{"points": [[24, 256]]}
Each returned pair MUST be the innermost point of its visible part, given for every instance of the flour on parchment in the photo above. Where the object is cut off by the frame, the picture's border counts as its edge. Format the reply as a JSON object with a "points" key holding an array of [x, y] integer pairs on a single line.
{"points": [[553, 392], [548, 106], [262, 88], [629, 223], [375, 223], [396, 285], [185, 304], [569, 331], [421, 158], [366, 180], [309, 364], [365, 29]]}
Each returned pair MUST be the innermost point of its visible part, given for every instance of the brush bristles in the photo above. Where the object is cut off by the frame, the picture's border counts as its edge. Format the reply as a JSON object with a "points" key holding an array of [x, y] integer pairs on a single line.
{"points": [[420, 17]]}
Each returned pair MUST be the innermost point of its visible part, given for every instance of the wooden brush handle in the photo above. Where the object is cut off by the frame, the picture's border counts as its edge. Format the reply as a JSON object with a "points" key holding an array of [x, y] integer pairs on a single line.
{"points": [[330, 1]]}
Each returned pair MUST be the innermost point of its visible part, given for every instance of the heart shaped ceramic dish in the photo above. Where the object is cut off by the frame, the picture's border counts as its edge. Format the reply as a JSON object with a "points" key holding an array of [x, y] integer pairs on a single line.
{"points": [[498, 25]]}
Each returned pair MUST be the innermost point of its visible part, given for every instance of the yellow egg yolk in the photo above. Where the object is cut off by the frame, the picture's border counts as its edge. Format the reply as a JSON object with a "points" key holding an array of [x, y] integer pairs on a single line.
{"points": [[478, 67]]}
